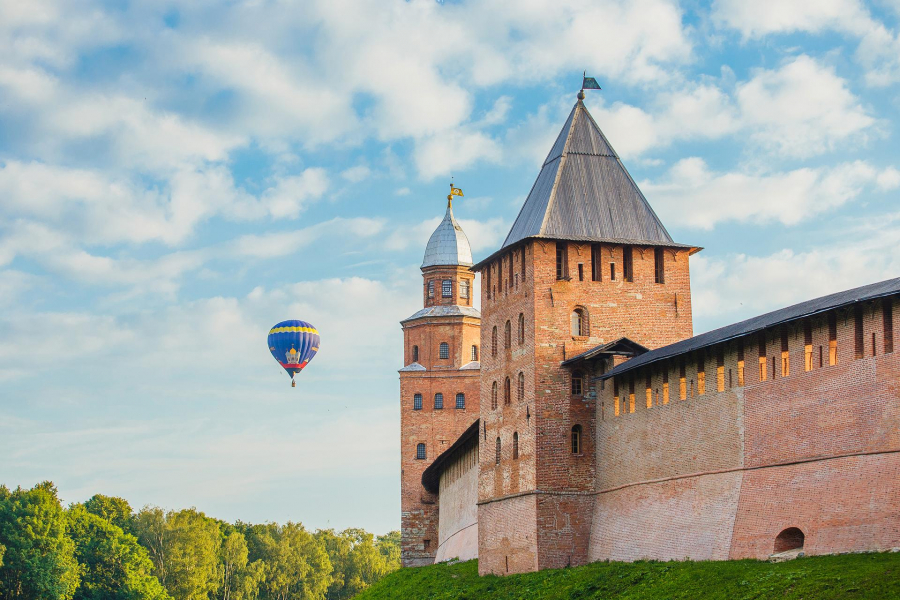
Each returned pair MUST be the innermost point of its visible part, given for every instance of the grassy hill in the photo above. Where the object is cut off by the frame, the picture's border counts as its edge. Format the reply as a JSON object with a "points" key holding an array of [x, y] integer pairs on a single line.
{"points": [[813, 578]]}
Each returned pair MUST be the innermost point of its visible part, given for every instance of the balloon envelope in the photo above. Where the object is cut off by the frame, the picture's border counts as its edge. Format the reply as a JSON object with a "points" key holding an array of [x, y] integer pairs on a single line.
{"points": [[293, 344]]}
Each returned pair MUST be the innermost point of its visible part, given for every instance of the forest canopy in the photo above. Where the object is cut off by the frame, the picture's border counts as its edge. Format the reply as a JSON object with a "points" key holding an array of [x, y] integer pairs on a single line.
{"points": [[102, 550]]}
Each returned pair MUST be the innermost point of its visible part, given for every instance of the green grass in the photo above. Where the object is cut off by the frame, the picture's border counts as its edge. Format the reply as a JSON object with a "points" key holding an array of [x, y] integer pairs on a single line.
{"points": [[842, 577]]}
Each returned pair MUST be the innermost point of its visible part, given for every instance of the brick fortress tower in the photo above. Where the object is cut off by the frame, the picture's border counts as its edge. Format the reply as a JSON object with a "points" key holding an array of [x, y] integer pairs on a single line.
{"points": [[439, 384], [586, 264]]}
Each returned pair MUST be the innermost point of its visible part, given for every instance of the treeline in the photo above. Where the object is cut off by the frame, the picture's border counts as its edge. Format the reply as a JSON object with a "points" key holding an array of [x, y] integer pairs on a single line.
{"points": [[102, 550]]}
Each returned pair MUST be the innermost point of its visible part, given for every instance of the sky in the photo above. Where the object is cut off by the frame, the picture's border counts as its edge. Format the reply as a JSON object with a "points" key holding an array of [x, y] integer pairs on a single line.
{"points": [[177, 177]]}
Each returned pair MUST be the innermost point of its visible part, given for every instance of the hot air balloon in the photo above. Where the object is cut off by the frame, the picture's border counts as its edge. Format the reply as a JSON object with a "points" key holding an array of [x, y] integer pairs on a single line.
{"points": [[293, 344]]}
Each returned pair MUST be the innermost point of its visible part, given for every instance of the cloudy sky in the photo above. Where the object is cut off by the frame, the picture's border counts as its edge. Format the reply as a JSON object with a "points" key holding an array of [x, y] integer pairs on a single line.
{"points": [[177, 177]]}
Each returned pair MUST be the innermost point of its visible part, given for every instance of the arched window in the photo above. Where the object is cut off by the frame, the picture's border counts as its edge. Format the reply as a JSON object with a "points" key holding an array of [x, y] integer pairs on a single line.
{"points": [[497, 459], [420, 452], [506, 394], [507, 336], [494, 341], [415, 354], [417, 402], [445, 350], [577, 383], [579, 322], [494, 396], [460, 400], [521, 329], [789, 539], [474, 352], [576, 439], [521, 390], [515, 445], [438, 401]]}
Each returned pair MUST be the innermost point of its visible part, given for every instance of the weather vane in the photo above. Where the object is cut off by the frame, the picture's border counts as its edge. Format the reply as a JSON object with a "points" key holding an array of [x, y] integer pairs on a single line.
{"points": [[587, 83], [454, 191]]}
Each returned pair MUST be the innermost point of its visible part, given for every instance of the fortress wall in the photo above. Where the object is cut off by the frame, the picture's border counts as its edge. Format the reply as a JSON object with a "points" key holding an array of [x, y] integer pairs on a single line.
{"points": [[507, 536], [671, 520], [457, 506], [842, 505], [781, 441], [690, 517], [564, 529], [700, 434]]}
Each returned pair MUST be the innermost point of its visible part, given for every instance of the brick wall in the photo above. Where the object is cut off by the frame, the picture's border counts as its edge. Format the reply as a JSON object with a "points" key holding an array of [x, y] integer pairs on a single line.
{"points": [[814, 449], [650, 313], [436, 428], [458, 528]]}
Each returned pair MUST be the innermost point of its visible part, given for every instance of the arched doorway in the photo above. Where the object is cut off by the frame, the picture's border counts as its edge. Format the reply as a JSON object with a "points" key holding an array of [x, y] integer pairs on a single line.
{"points": [[789, 539]]}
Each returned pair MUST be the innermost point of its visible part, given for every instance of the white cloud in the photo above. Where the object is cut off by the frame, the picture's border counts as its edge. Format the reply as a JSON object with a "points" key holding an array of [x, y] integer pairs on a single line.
{"points": [[289, 195], [453, 151], [785, 16], [726, 288], [694, 196], [879, 48], [356, 174], [801, 109]]}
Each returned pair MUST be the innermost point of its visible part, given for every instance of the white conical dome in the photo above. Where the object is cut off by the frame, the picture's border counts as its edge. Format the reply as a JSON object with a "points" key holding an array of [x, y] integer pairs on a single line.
{"points": [[448, 244]]}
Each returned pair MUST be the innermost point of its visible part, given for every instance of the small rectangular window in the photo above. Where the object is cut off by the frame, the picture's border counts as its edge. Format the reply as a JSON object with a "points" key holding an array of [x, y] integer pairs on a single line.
{"points": [[431, 289], [612, 271], [665, 378], [562, 261], [631, 396], [460, 401], [858, 349], [701, 377], [682, 383], [627, 263], [464, 288], [785, 353], [420, 452], [649, 392], [438, 401], [580, 271], [616, 396], [720, 379], [417, 402], [523, 263], [444, 350], [832, 338], [596, 265], [446, 288], [659, 256], [887, 316]]}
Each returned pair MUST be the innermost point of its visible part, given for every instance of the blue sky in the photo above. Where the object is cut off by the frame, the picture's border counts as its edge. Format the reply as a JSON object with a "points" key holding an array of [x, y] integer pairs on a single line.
{"points": [[177, 177]]}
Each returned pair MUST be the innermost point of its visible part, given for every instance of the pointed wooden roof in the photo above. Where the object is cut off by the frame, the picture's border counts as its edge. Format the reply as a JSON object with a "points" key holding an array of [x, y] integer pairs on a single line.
{"points": [[584, 193]]}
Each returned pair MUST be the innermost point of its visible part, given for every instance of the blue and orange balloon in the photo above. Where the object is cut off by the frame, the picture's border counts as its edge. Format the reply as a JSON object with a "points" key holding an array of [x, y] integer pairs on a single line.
{"points": [[293, 344]]}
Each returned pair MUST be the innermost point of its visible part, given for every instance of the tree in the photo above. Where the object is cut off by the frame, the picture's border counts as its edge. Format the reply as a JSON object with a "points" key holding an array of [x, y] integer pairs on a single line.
{"points": [[357, 560], [114, 566], [240, 578], [389, 546], [184, 548], [115, 510], [39, 560], [296, 563]]}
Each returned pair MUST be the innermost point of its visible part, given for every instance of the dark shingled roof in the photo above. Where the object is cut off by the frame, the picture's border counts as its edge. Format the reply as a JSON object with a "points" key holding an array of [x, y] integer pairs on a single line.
{"points": [[432, 476], [784, 315], [621, 346], [584, 193]]}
